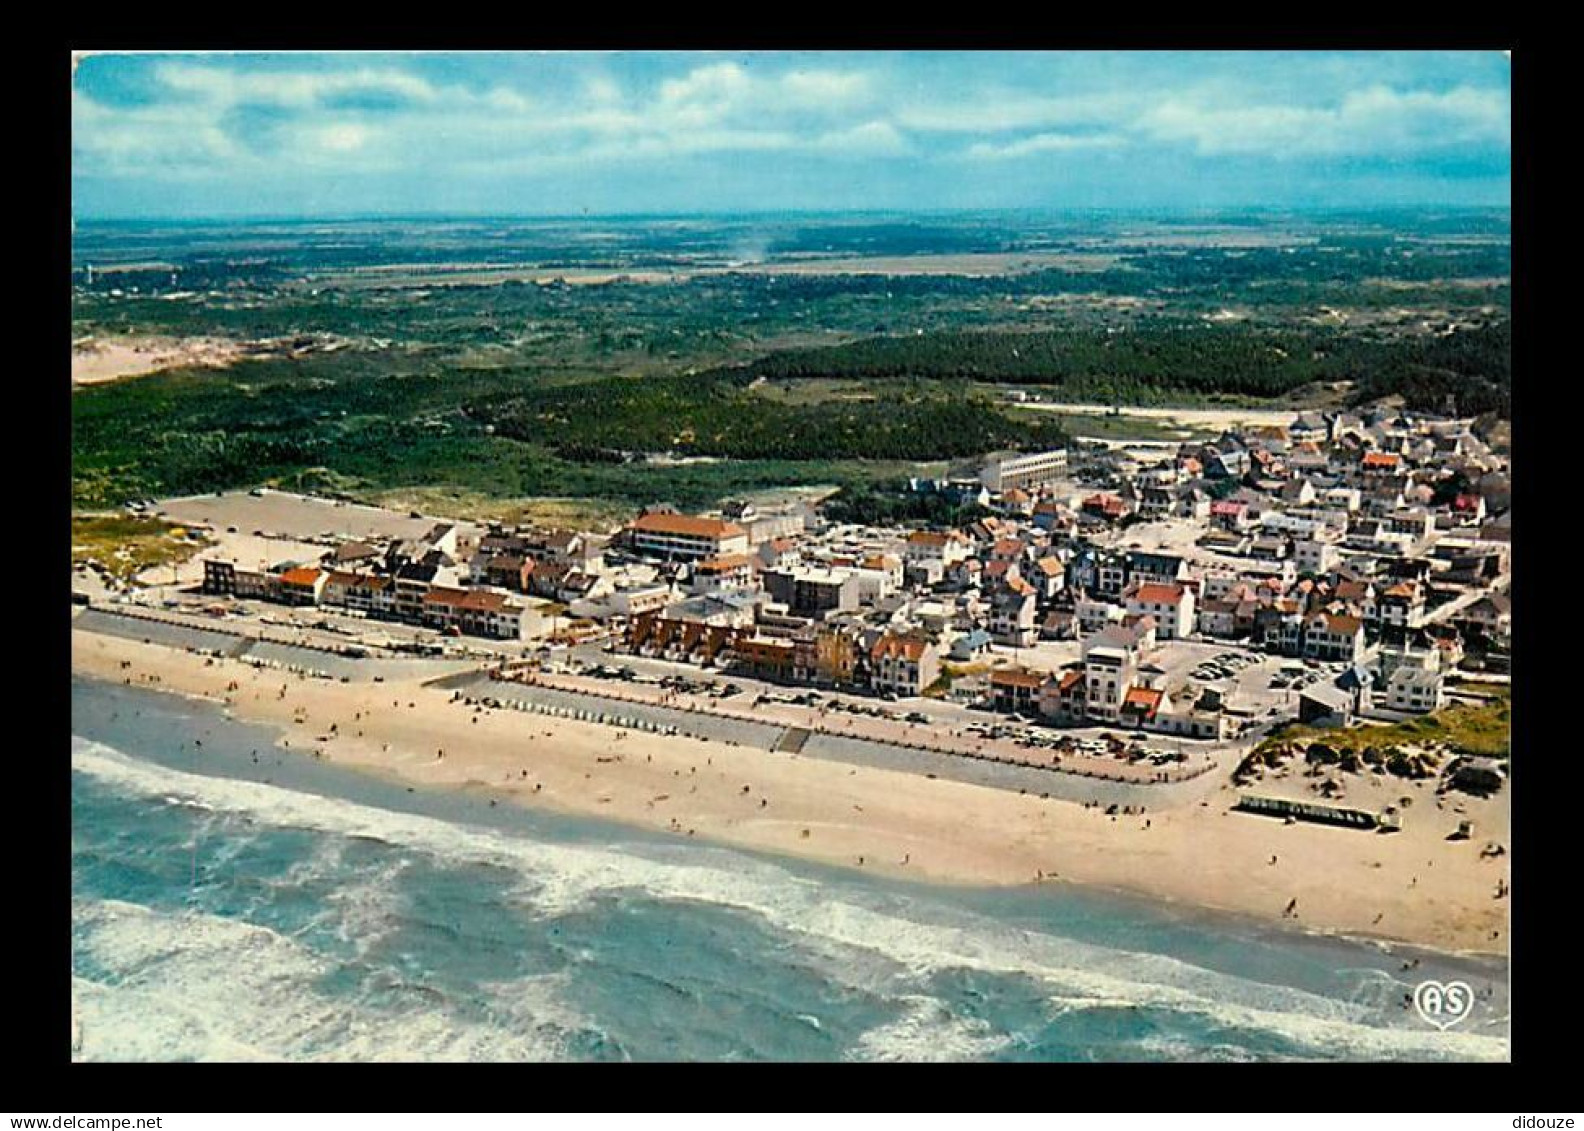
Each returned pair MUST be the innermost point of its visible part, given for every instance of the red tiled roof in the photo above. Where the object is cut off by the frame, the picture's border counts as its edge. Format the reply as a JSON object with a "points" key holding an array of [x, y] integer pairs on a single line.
{"points": [[722, 564], [482, 599], [303, 575], [1144, 699], [1154, 592], [897, 647], [1016, 677], [686, 524]]}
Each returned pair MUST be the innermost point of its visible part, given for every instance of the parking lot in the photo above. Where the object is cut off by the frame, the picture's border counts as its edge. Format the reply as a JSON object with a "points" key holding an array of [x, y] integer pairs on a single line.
{"points": [[284, 515]]}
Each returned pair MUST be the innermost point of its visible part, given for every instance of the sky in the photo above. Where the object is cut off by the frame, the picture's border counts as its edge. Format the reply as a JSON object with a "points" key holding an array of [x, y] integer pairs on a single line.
{"points": [[184, 136]]}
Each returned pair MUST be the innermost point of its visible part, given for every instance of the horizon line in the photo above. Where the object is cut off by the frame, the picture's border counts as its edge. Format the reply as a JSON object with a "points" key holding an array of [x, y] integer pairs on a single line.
{"points": [[944, 210]]}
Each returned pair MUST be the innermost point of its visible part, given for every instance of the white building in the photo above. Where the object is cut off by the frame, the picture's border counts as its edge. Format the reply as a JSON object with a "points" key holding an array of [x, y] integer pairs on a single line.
{"points": [[686, 536], [1007, 470], [1414, 689], [1172, 606]]}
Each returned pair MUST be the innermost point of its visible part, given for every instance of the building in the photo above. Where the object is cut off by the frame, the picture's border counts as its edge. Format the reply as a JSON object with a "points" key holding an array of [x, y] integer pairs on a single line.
{"points": [[729, 571], [1325, 705], [1013, 616], [1402, 606], [830, 655], [812, 591], [1016, 691], [302, 585], [1332, 636], [768, 657], [1005, 471], [219, 577], [946, 547], [1172, 606], [1165, 569], [1110, 666], [686, 537], [475, 612], [1416, 690], [903, 665]]}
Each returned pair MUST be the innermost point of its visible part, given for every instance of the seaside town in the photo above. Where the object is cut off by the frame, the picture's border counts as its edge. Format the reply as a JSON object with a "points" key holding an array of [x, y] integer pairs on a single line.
{"points": [[1131, 611]]}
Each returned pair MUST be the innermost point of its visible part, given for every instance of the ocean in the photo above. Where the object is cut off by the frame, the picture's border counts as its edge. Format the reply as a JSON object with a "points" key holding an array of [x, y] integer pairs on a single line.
{"points": [[235, 901]]}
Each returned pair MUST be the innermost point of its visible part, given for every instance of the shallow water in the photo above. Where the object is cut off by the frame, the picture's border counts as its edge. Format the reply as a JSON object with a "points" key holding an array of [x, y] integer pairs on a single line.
{"points": [[227, 908]]}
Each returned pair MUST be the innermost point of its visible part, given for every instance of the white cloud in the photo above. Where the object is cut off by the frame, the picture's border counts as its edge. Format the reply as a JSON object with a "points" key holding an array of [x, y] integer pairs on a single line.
{"points": [[1045, 143], [872, 139], [296, 89], [342, 138], [211, 118], [1377, 119]]}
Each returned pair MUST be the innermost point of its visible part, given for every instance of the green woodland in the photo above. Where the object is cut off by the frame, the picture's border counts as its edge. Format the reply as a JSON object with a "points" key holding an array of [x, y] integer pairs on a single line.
{"points": [[714, 384]]}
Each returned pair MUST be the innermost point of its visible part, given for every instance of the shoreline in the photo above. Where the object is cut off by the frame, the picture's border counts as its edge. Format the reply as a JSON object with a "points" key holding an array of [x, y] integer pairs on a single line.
{"points": [[1198, 857]]}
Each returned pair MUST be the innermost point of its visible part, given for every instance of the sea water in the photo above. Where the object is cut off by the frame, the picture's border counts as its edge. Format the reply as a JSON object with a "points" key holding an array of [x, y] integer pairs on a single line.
{"points": [[235, 901]]}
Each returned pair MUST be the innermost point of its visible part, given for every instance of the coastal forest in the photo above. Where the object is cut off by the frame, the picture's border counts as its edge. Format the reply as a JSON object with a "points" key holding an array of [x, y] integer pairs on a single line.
{"points": [[686, 361]]}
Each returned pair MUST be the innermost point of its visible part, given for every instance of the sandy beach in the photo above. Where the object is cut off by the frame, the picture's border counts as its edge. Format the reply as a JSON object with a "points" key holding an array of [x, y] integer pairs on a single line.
{"points": [[97, 361], [1414, 886]]}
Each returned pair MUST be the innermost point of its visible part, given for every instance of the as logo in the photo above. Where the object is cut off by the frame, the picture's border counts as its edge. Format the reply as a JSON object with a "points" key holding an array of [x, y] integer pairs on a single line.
{"points": [[1443, 1004]]}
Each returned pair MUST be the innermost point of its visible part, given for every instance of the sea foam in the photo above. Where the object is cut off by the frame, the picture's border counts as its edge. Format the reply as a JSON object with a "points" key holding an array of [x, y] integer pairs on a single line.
{"points": [[866, 941]]}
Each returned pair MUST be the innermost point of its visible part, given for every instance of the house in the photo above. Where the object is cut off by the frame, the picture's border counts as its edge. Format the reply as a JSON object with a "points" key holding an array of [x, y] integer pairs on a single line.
{"points": [[1315, 555], [1059, 624], [1093, 615], [1165, 569], [903, 665], [1141, 707], [1333, 636], [830, 655], [1051, 515], [1062, 697], [1015, 690], [1012, 615], [1416, 690], [338, 587], [945, 547], [1048, 576], [509, 571], [1172, 607], [778, 553], [1218, 617], [728, 571], [1401, 606], [971, 645], [350, 554], [1110, 663], [1491, 614], [1105, 507], [219, 577], [1468, 509], [1231, 514]]}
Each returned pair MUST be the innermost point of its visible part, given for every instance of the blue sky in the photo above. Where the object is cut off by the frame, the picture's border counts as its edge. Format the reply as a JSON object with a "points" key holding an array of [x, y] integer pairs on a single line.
{"points": [[214, 135]]}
